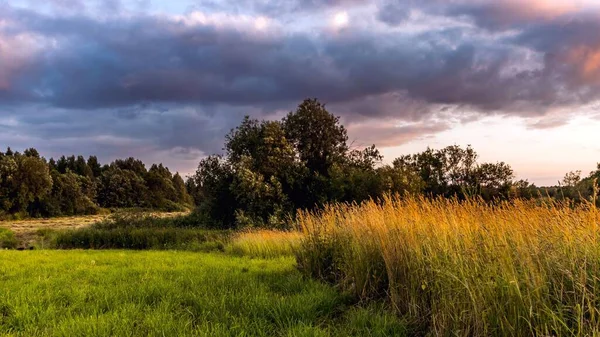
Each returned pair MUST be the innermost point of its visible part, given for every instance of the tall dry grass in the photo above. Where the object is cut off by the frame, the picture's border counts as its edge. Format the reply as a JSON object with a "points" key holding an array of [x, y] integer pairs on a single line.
{"points": [[265, 243], [464, 268]]}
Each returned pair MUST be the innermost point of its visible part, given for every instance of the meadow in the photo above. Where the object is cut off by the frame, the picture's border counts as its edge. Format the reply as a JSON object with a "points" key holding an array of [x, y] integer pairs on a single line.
{"points": [[402, 266], [173, 293]]}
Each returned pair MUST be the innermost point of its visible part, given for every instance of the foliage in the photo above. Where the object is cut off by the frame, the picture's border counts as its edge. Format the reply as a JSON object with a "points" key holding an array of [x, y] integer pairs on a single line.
{"points": [[31, 186], [466, 268], [269, 169], [140, 238], [272, 168], [8, 239], [141, 230]]}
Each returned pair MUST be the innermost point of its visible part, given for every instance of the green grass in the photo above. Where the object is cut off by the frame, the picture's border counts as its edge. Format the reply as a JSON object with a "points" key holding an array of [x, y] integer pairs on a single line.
{"points": [[170, 293]]}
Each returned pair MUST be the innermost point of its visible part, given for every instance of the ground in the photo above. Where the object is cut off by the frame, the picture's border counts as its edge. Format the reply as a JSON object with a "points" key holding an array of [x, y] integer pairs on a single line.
{"points": [[172, 293]]}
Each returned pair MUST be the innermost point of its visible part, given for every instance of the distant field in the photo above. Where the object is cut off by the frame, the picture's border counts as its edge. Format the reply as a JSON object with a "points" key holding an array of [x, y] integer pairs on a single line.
{"points": [[73, 222], [129, 293], [26, 230]]}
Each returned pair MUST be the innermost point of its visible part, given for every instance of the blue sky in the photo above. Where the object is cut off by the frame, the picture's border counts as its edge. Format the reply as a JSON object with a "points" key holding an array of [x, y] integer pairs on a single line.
{"points": [[165, 80]]}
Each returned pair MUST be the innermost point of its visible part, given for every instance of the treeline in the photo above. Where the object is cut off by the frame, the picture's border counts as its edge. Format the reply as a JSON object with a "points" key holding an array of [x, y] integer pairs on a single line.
{"points": [[269, 169], [30, 186], [272, 168], [573, 187]]}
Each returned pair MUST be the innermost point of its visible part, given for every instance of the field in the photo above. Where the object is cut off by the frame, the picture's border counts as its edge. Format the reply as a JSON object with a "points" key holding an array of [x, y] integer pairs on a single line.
{"points": [[28, 230], [150, 293], [404, 266]]}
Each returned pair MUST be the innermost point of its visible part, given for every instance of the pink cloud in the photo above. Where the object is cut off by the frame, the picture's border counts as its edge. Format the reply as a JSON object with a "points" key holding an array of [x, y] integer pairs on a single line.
{"points": [[387, 134], [16, 53]]}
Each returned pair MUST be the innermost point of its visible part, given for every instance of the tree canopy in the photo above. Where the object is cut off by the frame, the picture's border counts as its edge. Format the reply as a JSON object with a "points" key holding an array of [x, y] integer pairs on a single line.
{"points": [[32, 186], [304, 161], [268, 170]]}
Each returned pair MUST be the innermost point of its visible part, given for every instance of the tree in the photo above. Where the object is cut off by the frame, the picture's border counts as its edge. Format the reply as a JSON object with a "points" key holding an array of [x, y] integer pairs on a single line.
{"points": [[31, 152], [317, 135], [213, 179], [193, 190], [31, 182], [121, 188], [160, 187], [94, 166], [261, 201], [181, 194], [68, 196], [454, 171], [571, 179], [131, 164], [495, 180], [81, 167], [8, 170]]}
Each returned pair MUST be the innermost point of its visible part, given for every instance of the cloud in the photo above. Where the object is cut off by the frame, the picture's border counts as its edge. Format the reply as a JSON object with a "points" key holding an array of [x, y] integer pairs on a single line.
{"points": [[217, 58], [179, 81], [385, 134], [547, 123]]}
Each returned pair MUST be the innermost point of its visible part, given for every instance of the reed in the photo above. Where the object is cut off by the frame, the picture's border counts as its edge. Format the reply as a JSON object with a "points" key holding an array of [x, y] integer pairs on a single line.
{"points": [[464, 268]]}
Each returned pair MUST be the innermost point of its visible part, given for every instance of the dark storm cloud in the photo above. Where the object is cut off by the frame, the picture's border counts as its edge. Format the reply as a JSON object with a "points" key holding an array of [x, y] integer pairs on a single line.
{"points": [[122, 61], [180, 82]]}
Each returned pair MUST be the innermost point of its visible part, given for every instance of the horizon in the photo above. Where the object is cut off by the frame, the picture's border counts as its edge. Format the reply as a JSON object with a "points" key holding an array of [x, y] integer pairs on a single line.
{"points": [[165, 81]]}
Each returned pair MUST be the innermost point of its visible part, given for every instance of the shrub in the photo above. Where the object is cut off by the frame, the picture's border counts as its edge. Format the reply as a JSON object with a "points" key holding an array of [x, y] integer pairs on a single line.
{"points": [[141, 238], [8, 239]]}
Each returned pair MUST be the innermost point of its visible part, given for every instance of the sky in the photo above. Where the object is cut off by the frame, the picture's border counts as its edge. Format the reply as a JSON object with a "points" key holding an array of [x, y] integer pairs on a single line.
{"points": [[164, 81]]}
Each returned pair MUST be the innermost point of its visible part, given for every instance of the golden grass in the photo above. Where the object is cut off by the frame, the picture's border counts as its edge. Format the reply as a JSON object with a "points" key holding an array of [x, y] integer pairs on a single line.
{"points": [[265, 243], [464, 268]]}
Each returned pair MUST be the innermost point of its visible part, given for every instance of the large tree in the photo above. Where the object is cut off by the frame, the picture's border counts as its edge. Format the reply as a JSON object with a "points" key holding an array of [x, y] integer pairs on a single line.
{"points": [[319, 138]]}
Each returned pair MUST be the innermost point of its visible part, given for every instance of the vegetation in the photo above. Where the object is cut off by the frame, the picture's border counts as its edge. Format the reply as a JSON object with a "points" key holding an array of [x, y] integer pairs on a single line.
{"points": [[465, 268], [272, 168], [451, 245], [100, 293], [8, 239], [265, 243], [38, 233], [30, 186], [139, 230], [269, 170]]}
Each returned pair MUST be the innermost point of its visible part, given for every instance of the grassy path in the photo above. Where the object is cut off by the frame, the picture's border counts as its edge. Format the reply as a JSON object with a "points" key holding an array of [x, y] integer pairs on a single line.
{"points": [[153, 293]]}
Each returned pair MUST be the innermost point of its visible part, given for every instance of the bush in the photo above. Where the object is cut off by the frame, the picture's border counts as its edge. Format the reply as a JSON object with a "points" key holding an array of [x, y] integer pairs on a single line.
{"points": [[141, 219], [141, 238], [8, 239]]}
